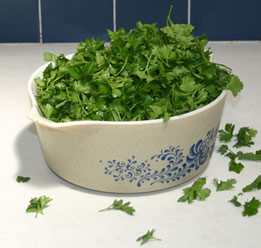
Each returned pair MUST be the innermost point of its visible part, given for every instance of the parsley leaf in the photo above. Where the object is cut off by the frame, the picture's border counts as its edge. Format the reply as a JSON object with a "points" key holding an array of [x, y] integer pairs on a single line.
{"points": [[244, 137], [234, 85], [224, 185], [223, 149], [249, 155], [38, 204], [147, 237], [256, 184], [49, 56], [226, 134], [251, 207], [119, 205], [21, 179], [195, 191], [235, 201], [235, 167]]}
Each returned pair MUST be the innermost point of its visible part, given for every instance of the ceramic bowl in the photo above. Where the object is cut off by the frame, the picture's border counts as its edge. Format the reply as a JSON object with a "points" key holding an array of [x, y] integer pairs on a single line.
{"points": [[128, 156]]}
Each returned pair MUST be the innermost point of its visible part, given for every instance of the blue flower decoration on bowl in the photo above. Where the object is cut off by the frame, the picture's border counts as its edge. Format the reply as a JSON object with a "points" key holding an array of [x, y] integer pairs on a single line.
{"points": [[177, 164]]}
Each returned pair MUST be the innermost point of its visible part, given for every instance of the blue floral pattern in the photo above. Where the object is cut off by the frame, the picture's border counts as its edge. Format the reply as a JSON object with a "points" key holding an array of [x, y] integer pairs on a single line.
{"points": [[177, 164], [130, 170]]}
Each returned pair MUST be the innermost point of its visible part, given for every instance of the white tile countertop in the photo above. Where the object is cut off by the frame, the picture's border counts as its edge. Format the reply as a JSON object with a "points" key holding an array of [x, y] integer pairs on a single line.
{"points": [[72, 219]]}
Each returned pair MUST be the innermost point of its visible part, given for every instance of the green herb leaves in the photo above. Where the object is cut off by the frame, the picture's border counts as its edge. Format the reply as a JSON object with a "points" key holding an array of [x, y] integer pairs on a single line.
{"points": [[38, 204], [250, 207], [119, 205], [249, 155], [147, 237], [235, 166], [227, 134], [234, 85], [21, 179], [224, 185], [196, 191], [244, 138], [235, 201], [125, 207], [49, 56], [256, 184], [146, 73]]}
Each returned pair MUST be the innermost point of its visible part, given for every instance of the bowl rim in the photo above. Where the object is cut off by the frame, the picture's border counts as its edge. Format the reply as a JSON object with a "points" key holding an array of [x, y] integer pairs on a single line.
{"points": [[36, 116]]}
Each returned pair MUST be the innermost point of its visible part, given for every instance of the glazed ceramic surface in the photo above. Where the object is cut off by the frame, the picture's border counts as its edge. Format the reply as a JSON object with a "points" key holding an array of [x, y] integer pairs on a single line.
{"points": [[128, 157]]}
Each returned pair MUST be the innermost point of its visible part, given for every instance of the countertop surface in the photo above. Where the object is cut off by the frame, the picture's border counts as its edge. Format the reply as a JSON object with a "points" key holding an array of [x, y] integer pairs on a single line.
{"points": [[72, 218]]}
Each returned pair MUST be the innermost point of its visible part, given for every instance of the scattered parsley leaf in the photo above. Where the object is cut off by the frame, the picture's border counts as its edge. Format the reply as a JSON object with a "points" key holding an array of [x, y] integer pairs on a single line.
{"points": [[223, 149], [119, 205], [147, 237], [38, 204], [235, 167], [224, 185], [235, 201], [21, 179], [251, 207], [227, 134], [256, 184], [235, 85], [244, 137], [195, 191], [250, 155], [49, 56]]}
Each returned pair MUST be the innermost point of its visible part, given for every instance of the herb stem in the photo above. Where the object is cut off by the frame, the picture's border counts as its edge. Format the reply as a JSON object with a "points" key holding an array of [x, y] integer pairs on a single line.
{"points": [[147, 66], [108, 208], [52, 82], [82, 104], [122, 68], [165, 63], [224, 66]]}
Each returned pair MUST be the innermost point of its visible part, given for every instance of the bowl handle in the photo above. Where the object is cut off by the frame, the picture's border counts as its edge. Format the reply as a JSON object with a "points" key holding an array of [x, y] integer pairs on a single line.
{"points": [[38, 119], [33, 115]]}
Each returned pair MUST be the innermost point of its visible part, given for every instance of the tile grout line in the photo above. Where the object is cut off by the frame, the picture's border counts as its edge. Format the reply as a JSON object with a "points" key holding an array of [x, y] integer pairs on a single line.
{"points": [[40, 21], [114, 16], [189, 11]]}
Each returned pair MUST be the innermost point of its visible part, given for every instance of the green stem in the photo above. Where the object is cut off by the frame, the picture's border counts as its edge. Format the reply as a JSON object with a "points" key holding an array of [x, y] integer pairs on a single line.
{"points": [[147, 66], [81, 104], [106, 209], [52, 82], [122, 68], [224, 66], [164, 62], [153, 238], [168, 17]]}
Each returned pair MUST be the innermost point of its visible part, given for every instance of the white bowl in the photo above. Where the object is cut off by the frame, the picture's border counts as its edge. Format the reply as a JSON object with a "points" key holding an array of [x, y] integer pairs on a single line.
{"points": [[128, 156]]}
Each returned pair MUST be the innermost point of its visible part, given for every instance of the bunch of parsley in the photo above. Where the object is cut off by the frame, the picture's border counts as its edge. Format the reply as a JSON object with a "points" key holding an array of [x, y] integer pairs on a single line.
{"points": [[146, 73]]}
